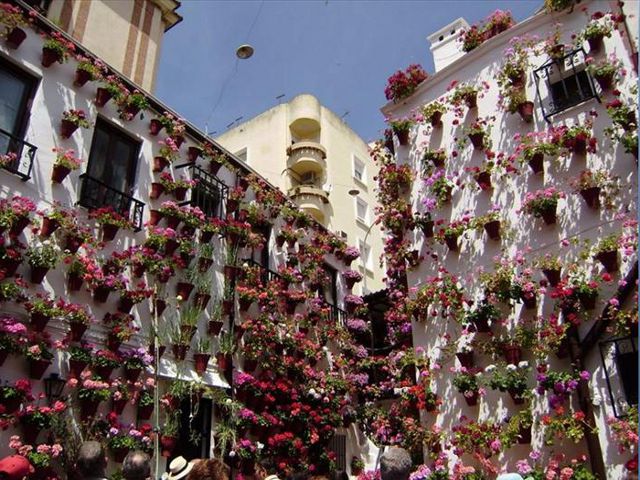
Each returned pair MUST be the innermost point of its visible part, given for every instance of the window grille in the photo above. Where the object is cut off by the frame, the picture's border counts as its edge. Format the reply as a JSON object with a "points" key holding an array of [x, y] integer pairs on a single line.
{"points": [[620, 361]]}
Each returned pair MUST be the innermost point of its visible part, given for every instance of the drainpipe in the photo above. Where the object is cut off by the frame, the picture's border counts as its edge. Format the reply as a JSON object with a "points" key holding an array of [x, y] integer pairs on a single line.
{"points": [[578, 350]]}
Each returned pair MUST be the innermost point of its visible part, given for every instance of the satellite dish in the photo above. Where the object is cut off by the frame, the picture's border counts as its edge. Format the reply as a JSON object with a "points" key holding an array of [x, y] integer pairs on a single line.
{"points": [[244, 51]]}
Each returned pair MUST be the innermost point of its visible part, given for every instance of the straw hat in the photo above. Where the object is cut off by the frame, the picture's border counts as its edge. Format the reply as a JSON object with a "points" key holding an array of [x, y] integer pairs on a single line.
{"points": [[179, 468]]}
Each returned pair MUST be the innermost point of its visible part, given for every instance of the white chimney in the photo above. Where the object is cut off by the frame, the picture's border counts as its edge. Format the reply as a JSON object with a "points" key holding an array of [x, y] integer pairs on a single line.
{"points": [[445, 46]]}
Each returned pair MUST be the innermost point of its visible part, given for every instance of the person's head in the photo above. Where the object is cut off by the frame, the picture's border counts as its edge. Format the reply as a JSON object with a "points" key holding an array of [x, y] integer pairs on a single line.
{"points": [[395, 464], [209, 469], [136, 466], [91, 461], [15, 467]]}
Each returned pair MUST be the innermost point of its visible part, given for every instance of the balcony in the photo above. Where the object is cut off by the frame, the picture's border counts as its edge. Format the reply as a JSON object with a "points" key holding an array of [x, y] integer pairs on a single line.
{"points": [[306, 157], [97, 194], [311, 199], [209, 194], [24, 154]]}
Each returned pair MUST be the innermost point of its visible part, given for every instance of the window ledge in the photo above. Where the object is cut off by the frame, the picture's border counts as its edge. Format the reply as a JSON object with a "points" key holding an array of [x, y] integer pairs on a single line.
{"points": [[362, 223], [360, 183]]}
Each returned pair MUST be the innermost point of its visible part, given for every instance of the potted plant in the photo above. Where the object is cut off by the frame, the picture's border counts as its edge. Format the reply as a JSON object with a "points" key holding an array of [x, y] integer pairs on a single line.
{"points": [[15, 393], [440, 186], [71, 121], [77, 316], [604, 71], [551, 268], [135, 362], [532, 149], [511, 378], [131, 104], [170, 433], [402, 84], [202, 355], [56, 48], [543, 204], [576, 139], [215, 318], [595, 31], [477, 132], [225, 352], [451, 232], [65, 162], [80, 356], [37, 353], [425, 223], [401, 128], [490, 223], [86, 71], [482, 316], [111, 222], [464, 93], [552, 45], [622, 114], [41, 310], [42, 258], [111, 87], [12, 18], [433, 113], [606, 252], [466, 382], [437, 157], [590, 184], [357, 466]]}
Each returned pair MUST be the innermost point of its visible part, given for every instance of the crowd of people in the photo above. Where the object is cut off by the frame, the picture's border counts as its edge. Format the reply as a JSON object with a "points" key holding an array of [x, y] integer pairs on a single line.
{"points": [[91, 464]]}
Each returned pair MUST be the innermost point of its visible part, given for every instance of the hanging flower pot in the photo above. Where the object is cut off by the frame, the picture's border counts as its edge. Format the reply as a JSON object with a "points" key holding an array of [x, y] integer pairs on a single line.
{"points": [[578, 144], [214, 167], [493, 229], [50, 56], [436, 118], [471, 99], [206, 236], [245, 304], [591, 196], [145, 411], [452, 242], [38, 274], [249, 365], [512, 353], [201, 300], [183, 289], [553, 276], [193, 153], [161, 350], [49, 225], [157, 189], [131, 111], [178, 139], [427, 229], [138, 270], [81, 78], [224, 361], [179, 193], [204, 263], [118, 406], [37, 368], [76, 367], [388, 143], [103, 372], [529, 302], [214, 327], [588, 302], [18, 226], [88, 408], [472, 400], [201, 360], [102, 97], [536, 162], [132, 374], [168, 445], [465, 359], [609, 260], [179, 351], [10, 266], [67, 128], [109, 232], [160, 163], [477, 140], [484, 180], [39, 321], [481, 324], [516, 396], [77, 331], [403, 136], [159, 305], [155, 126], [595, 43], [556, 52], [227, 307], [173, 222], [73, 243], [605, 81], [230, 272], [525, 109], [29, 433], [125, 305], [15, 37], [524, 435], [188, 331], [232, 205], [101, 294]]}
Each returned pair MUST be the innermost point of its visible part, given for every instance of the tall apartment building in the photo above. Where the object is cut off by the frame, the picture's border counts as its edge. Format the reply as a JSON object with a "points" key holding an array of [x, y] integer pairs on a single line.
{"points": [[310, 153], [505, 289], [125, 34]]}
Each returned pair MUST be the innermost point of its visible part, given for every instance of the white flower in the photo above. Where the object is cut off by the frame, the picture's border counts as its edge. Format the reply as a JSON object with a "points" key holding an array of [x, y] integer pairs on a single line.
{"points": [[259, 445], [46, 243], [490, 368], [325, 349], [511, 367], [232, 453], [228, 401], [523, 364], [179, 298], [312, 391]]}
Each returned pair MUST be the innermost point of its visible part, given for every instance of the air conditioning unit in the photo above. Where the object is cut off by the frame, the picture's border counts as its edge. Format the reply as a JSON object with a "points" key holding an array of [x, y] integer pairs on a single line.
{"points": [[309, 178]]}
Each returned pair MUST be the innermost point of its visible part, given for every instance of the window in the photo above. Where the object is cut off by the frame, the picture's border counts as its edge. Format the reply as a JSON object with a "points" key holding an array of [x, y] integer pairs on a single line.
{"points": [[365, 254], [359, 172], [620, 359], [209, 193], [110, 176], [362, 210], [338, 445], [563, 83], [330, 289], [16, 95]]}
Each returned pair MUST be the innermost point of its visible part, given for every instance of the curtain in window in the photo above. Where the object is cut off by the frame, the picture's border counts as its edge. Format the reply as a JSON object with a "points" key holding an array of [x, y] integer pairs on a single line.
{"points": [[12, 93]]}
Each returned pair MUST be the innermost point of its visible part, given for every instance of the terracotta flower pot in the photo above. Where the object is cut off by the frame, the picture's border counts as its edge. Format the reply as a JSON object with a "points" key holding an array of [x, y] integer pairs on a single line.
{"points": [[131, 111], [103, 372], [588, 302], [452, 242], [101, 294], [144, 412], [49, 225], [230, 272], [109, 232], [118, 406], [595, 43], [37, 368], [39, 321], [214, 327], [525, 110], [201, 300], [477, 140], [403, 136], [38, 274], [549, 216], [168, 445], [157, 189], [18, 226], [15, 37], [184, 289], [605, 81], [436, 119], [536, 162], [493, 229], [76, 367], [524, 435], [553, 276], [465, 359], [214, 167], [249, 365], [591, 196], [484, 180], [155, 126], [232, 205], [472, 400], [482, 325], [227, 307], [72, 243], [609, 260], [88, 408], [67, 128], [178, 139], [224, 361], [50, 56], [74, 282], [529, 302], [132, 374], [173, 222], [10, 266], [159, 306], [512, 354], [471, 99], [427, 229], [201, 360], [516, 397], [77, 331], [193, 153], [160, 163], [102, 97], [179, 193], [82, 77]]}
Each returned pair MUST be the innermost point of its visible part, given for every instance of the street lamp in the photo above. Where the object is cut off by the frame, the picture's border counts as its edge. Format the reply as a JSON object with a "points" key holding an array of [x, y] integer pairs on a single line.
{"points": [[53, 386]]}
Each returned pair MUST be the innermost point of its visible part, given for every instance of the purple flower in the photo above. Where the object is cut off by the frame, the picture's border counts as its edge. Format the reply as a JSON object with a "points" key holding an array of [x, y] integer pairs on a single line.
{"points": [[584, 375]]}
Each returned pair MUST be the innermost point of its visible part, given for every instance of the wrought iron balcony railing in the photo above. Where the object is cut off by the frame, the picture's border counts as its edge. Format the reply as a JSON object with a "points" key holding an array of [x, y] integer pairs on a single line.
{"points": [[97, 194], [209, 194], [266, 274], [24, 154]]}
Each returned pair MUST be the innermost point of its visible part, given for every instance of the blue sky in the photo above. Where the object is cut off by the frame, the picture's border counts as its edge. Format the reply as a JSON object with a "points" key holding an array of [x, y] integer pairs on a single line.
{"points": [[340, 51]]}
